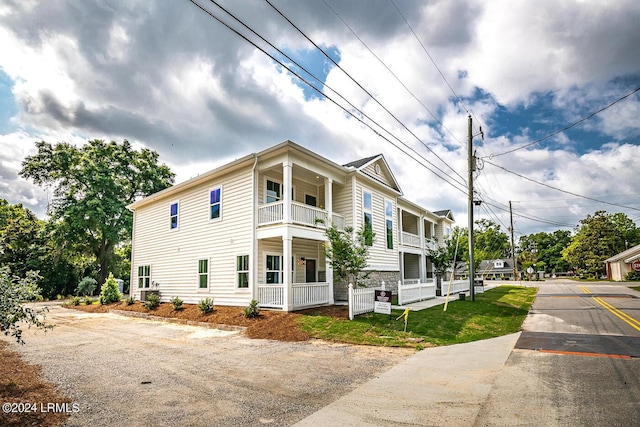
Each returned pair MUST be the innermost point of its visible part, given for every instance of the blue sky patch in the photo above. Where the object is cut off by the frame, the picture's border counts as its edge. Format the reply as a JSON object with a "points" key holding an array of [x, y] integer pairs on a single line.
{"points": [[8, 106], [314, 61]]}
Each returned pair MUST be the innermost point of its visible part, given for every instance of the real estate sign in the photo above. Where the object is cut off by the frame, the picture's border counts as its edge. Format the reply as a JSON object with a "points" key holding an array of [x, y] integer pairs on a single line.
{"points": [[382, 302]]}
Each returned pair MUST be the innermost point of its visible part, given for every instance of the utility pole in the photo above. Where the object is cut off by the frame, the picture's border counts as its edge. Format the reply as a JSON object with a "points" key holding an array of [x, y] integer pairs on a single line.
{"points": [[472, 167], [513, 245]]}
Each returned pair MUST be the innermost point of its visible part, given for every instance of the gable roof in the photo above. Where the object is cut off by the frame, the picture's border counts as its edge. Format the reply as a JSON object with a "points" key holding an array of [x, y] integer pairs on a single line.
{"points": [[629, 255], [445, 213], [385, 177]]}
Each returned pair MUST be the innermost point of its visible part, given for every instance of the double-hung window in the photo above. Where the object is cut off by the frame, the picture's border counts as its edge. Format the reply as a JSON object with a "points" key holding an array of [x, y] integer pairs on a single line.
{"points": [[215, 203], [144, 276], [388, 215], [242, 270], [367, 206], [173, 211], [203, 273], [274, 191], [273, 266]]}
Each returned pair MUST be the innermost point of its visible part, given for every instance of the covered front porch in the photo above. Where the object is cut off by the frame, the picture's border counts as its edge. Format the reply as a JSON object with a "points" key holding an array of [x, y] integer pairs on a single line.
{"points": [[309, 281]]}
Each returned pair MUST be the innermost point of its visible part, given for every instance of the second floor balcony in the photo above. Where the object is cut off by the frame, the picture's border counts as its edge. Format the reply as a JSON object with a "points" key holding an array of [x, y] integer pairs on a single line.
{"points": [[300, 214]]}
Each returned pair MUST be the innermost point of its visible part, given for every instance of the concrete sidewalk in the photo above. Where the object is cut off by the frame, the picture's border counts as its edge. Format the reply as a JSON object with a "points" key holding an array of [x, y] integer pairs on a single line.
{"points": [[435, 387]]}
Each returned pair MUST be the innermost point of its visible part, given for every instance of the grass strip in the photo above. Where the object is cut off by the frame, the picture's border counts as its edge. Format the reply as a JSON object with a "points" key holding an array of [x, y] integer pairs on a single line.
{"points": [[496, 312]]}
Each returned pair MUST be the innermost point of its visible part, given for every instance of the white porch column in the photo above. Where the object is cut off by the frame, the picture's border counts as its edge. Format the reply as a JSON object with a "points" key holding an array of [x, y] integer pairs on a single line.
{"points": [[328, 198], [287, 185], [287, 303], [423, 262]]}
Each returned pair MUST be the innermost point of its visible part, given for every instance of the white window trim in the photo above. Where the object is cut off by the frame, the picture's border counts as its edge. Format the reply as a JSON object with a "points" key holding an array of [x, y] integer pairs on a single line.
{"points": [[175, 202], [266, 179], [312, 195], [386, 218], [219, 187], [141, 277], [237, 272], [198, 288], [280, 271], [367, 210]]}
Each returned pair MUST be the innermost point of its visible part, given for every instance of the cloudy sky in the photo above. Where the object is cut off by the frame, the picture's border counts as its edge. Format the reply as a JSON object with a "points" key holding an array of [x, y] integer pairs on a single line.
{"points": [[166, 75]]}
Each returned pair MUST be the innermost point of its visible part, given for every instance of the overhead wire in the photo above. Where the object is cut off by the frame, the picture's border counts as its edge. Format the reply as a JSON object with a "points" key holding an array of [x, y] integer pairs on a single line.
{"points": [[297, 75], [559, 189], [346, 24], [369, 94], [569, 126]]}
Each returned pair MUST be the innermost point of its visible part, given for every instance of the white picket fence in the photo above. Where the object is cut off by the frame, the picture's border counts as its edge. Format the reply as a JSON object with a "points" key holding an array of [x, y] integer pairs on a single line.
{"points": [[457, 286], [414, 290], [361, 300]]}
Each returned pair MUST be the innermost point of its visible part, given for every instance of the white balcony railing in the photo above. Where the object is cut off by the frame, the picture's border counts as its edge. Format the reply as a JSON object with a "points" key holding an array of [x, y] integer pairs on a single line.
{"points": [[310, 216], [303, 295], [410, 239]]}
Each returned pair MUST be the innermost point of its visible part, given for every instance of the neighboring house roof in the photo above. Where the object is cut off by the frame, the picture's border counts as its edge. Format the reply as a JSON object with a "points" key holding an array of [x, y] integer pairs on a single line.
{"points": [[488, 266], [627, 256]]}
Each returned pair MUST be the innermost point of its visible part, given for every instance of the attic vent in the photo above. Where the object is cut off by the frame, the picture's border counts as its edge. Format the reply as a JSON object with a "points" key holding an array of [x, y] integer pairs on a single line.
{"points": [[377, 169]]}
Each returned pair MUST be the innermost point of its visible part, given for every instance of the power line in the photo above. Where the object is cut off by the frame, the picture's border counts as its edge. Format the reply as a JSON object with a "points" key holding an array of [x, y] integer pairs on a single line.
{"points": [[531, 217], [360, 86], [229, 27], [392, 73], [559, 189], [567, 127]]}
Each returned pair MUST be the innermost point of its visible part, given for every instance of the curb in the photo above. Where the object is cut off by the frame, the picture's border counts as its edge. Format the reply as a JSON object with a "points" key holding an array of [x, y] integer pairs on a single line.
{"points": [[147, 316]]}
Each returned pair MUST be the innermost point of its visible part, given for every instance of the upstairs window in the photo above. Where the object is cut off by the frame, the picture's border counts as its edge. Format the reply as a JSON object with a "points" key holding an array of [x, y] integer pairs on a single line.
{"points": [[388, 213], [174, 215], [367, 217], [274, 191], [215, 203]]}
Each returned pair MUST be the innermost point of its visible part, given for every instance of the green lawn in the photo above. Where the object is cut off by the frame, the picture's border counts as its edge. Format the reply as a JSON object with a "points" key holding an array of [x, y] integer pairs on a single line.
{"points": [[637, 288], [497, 312]]}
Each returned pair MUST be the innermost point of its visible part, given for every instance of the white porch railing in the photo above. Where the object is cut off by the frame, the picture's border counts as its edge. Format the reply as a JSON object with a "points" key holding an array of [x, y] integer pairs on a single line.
{"points": [[303, 295], [456, 286], [310, 294], [361, 300], [410, 239], [271, 295], [308, 215], [413, 290], [273, 213]]}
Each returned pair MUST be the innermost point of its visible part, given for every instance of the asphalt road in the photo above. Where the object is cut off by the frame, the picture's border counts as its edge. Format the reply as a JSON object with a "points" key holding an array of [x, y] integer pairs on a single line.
{"points": [[576, 363]]}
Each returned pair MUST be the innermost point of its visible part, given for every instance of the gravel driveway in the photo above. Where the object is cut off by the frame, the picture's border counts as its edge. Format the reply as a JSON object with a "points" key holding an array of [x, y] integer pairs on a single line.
{"points": [[123, 371]]}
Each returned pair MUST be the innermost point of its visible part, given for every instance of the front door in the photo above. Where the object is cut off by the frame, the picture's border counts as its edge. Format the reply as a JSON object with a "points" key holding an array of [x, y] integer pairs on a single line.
{"points": [[310, 270]]}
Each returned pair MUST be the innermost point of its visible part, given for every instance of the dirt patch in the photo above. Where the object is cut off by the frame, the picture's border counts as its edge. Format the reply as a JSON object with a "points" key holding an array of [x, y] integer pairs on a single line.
{"points": [[273, 325], [21, 384]]}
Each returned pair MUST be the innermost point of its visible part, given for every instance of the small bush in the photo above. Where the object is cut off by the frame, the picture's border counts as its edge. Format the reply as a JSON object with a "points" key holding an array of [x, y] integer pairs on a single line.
{"points": [[177, 303], [75, 301], [59, 297], [109, 292], [632, 276], [129, 301], [87, 301], [206, 305], [152, 302], [252, 310], [86, 286]]}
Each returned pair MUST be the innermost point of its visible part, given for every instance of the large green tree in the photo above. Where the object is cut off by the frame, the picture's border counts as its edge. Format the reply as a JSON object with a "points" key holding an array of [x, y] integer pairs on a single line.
{"points": [[598, 237], [489, 242], [92, 185], [26, 245], [544, 251]]}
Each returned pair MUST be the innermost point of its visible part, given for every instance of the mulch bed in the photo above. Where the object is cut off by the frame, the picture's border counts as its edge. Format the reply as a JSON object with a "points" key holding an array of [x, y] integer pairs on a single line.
{"points": [[273, 325], [21, 383]]}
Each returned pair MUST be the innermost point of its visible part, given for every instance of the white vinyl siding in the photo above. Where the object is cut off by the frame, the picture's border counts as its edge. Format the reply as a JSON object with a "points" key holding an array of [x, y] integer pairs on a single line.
{"points": [[172, 255]]}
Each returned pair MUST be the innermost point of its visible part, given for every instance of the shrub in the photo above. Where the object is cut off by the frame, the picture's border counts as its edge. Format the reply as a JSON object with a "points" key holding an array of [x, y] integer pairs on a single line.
{"points": [[75, 301], [152, 302], [632, 276], [129, 301], [87, 301], [59, 297], [86, 286], [206, 305], [177, 303], [109, 292], [252, 310]]}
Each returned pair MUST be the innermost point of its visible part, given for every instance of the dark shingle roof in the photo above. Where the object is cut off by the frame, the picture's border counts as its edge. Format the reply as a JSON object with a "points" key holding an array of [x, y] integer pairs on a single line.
{"points": [[359, 163]]}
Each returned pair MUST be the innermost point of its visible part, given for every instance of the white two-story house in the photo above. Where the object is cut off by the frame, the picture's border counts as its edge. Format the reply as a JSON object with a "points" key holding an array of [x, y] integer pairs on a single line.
{"points": [[250, 230]]}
